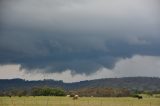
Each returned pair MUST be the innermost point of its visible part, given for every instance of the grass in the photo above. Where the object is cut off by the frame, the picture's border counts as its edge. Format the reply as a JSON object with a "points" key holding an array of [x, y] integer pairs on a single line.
{"points": [[82, 101]]}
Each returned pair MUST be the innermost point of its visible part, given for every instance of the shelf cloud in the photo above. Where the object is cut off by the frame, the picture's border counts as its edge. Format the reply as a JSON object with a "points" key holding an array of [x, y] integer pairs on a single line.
{"points": [[82, 36]]}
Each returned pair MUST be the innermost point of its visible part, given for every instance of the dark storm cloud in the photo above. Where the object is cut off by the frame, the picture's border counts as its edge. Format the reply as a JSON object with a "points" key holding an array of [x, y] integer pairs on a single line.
{"points": [[80, 35]]}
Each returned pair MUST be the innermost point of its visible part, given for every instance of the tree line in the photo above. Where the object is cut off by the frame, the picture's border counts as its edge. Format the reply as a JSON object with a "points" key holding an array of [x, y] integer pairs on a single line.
{"points": [[102, 92], [36, 91], [83, 92]]}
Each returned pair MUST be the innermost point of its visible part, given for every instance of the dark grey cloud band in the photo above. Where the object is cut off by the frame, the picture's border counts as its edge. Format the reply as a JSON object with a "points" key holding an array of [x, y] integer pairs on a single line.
{"points": [[80, 35]]}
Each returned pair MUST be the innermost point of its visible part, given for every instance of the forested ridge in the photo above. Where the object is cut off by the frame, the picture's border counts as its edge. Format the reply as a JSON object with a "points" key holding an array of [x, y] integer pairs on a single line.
{"points": [[135, 83], [99, 87]]}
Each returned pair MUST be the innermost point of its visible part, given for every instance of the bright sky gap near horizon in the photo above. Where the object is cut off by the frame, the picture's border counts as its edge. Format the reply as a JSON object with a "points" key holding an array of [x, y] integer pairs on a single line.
{"points": [[74, 40]]}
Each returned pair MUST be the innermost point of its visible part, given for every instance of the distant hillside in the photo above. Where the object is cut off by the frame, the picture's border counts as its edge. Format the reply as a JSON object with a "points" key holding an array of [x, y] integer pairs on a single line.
{"points": [[132, 83]]}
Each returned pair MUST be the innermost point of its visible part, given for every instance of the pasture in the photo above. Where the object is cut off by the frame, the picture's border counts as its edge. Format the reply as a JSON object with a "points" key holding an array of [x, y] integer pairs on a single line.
{"points": [[82, 101]]}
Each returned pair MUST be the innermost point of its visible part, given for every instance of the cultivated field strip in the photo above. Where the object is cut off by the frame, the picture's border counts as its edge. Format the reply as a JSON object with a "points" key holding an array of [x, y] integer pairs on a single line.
{"points": [[82, 101]]}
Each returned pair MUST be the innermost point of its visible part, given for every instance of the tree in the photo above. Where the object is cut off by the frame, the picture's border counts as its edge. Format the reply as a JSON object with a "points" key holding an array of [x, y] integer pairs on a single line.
{"points": [[46, 91]]}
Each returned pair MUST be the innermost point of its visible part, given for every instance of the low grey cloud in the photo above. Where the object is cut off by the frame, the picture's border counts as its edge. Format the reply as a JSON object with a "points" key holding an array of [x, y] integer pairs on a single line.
{"points": [[79, 35]]}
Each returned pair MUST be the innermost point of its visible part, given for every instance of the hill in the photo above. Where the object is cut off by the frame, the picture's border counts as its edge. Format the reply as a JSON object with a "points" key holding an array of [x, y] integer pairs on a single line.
{"points": [[131, 83]]}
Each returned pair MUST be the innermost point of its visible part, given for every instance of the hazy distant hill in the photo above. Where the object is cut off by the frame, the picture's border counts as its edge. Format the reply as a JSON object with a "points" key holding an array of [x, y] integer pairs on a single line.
{"points": [[135, 83]]}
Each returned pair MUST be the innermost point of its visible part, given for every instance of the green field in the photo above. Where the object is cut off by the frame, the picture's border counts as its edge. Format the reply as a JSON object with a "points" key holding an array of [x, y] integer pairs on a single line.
{"points": [[82, 101]]}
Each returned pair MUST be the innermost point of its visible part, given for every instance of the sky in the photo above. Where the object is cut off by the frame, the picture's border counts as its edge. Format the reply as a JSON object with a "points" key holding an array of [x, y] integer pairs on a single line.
{"points": [[74, 40]]}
